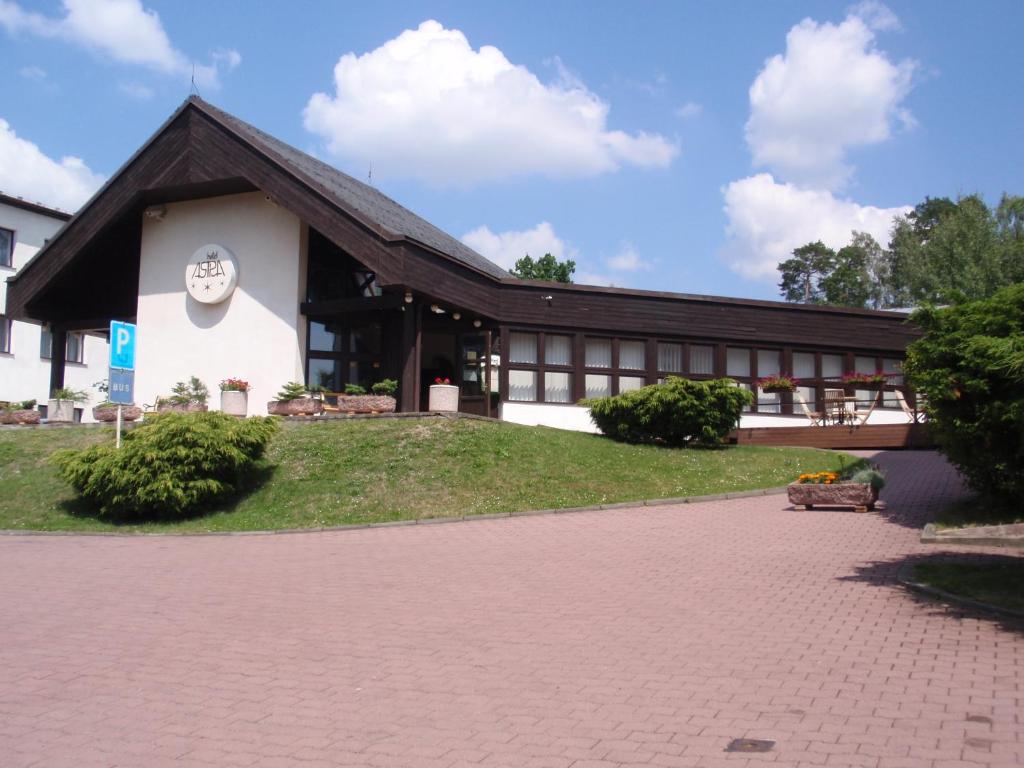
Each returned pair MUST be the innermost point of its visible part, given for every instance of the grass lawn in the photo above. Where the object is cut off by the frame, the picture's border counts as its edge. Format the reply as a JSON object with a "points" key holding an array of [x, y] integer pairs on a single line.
{"points": [[999, 583], [359, 471], [977, 510]]}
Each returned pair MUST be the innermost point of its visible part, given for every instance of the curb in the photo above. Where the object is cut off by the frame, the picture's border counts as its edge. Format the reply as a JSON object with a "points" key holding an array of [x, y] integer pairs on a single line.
{"points": [[905, 577], [420, 521], [931, 535]]}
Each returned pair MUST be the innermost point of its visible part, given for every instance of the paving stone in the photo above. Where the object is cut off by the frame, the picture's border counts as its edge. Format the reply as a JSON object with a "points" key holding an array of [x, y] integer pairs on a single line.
{"points": [[649, 636]]}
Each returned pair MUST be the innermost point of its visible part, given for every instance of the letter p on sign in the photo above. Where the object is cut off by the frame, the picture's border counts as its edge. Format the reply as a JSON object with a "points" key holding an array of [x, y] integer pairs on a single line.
{"points": [[122, 345]]}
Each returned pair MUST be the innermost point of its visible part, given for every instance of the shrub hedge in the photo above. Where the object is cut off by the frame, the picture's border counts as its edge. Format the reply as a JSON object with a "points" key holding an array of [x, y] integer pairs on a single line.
{"points": [[679, 412], [170, 466], [969, 365]]}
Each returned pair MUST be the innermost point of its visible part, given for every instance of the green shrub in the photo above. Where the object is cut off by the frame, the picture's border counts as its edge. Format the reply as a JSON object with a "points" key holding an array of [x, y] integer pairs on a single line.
{"points": [[71, 395], [293, 390], [969, 365], [355, 389], [872, 477], [170, 466], [679, 412], [385, 387], [189, 392]]}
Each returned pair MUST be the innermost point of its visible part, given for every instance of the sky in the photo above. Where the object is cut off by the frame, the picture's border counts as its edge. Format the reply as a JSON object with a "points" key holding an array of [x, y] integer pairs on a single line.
{"points": [[680, 146]]}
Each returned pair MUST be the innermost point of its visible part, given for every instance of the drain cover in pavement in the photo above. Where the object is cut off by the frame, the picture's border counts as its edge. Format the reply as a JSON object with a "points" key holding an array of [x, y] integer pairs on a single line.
{"points": [[749, 745]]}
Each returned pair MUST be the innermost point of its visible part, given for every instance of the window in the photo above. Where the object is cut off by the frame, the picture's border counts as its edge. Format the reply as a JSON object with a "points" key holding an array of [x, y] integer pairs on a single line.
{"points": [[806, 394], [803, 365], [522, 348], [768, 362], [341, 354], [598, 385], [75, 350], [768, 402], [631, 355], [832, 366], [6, 248], [893, 366], [670, 358], [558, 350], [5, 335], [522, 386], [45, 344], [629, 383], [737, 362], [599, 353], [557, 386], [702, 360], [864, 364]]}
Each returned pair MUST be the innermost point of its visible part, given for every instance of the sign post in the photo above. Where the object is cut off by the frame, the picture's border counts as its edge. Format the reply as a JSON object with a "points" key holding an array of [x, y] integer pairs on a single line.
{"points": [[122, 367]]}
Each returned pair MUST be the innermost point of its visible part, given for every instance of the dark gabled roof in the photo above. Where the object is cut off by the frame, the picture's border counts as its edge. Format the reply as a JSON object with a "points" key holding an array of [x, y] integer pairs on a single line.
{"points": [[372, 208], [40, 208]]}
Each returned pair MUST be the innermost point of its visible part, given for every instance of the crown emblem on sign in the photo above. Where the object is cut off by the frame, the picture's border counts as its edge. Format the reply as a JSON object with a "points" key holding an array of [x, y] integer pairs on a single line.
{"points": [[212, 255]]}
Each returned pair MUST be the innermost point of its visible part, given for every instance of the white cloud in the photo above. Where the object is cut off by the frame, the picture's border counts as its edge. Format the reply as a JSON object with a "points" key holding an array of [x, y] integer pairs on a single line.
{"points": [[506, 248], [832, 90], [27, 172], [427, 105], [627, 260], [688, 110], [123, 30], [876, 15], [33, 73], [768, 219], [136, 91]]}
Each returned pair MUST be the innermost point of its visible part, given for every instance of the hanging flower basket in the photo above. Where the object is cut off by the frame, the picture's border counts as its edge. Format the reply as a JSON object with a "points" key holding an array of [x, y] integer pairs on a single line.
{"points": [[875, 380], [780, 383]]}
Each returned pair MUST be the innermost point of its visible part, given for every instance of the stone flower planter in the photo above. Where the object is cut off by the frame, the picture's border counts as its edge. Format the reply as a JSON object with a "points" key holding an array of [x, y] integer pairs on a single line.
{"points": [[860, 496], [182, 408], [108, 413], [366, 404], [234, 402], [443, 397], [27, 416], [60, 411], [300, 406]]}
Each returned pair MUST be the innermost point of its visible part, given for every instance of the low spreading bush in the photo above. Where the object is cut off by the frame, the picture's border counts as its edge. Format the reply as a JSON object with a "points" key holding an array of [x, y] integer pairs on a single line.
{"points": [[679, 412], [170, 466]]}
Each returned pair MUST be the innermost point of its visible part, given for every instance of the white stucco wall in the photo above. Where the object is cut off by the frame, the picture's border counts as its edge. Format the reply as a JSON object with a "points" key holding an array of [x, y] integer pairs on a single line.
{"points": [[24, 375], [577, 418], [256, 334]]}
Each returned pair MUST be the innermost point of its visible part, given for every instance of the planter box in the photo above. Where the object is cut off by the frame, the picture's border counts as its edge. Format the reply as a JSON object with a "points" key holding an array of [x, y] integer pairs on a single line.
{"points": [[108, 413], [60, 411], [182, 408], [366, 404], [300, 406], [860, 496], [27, 416], [443, 397], [234, 402]]}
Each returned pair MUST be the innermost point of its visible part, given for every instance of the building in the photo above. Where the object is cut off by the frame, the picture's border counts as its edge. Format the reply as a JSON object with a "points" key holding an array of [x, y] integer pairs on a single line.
{"points": [[240, 256], [26, 348]]}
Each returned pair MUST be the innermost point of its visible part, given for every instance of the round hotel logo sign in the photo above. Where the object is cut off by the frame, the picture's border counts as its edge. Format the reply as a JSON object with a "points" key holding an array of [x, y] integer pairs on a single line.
{"points": [[211, 274]]}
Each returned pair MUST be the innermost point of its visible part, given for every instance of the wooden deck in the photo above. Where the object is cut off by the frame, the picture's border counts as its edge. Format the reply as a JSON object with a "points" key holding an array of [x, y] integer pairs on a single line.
{"points": [[838, 436]]}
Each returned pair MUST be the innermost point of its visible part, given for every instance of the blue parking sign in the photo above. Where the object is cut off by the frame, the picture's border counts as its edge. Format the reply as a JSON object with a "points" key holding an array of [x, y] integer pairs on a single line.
{"points": [[122, 345]]}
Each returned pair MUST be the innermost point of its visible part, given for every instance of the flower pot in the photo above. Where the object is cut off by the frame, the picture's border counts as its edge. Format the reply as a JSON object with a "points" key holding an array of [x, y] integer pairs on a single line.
{"points": [[860, 496], [26, 416], [444, 398], [182, 408], [366, 404], [108, 413], [234, 402], [60, 411], [776, 389], [300, 406]]}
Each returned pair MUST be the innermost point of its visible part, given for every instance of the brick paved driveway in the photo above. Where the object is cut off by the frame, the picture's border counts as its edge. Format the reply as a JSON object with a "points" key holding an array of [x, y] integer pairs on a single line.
{"points": [[638, 637]]}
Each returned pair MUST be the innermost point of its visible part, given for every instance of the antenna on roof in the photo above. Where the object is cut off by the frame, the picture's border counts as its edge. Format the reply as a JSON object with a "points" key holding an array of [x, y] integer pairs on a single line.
{"points": [[369, 175], [194, 90]]}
